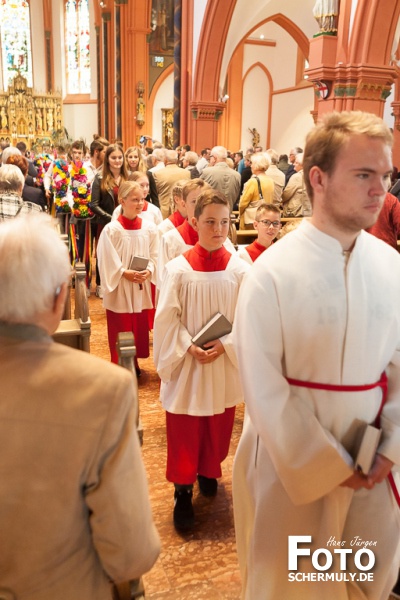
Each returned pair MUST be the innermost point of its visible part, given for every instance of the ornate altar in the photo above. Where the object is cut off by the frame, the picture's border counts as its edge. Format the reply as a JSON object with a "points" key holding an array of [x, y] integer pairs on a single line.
{"points": [[29, 117]]}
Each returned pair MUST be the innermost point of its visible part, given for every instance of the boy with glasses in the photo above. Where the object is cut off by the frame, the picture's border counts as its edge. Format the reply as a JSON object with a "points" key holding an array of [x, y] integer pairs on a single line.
{"points": [[267, 224]]}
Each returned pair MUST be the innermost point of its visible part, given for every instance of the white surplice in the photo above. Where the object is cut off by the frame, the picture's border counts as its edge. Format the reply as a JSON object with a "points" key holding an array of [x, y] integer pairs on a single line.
{"points": [[152, 214], [164, 226], [188, 300], [115, 249], [172, 245], [309, 312]]}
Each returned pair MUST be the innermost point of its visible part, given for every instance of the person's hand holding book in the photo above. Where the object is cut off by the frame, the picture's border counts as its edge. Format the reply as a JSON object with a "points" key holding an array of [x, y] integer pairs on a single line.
{"points": [[211, 351]]}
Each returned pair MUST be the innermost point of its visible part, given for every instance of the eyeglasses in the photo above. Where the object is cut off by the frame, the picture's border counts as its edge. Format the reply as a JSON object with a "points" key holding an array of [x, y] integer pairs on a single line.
{"points": [[274, 224]]}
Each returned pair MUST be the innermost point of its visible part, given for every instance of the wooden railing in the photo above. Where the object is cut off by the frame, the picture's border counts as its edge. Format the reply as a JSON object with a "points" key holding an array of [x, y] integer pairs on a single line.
{"points": [[126, 350], [76, 332]]}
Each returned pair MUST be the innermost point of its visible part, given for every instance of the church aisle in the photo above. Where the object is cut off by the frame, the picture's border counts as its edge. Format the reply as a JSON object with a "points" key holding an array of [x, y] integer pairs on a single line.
{"points": [[201, 564]]}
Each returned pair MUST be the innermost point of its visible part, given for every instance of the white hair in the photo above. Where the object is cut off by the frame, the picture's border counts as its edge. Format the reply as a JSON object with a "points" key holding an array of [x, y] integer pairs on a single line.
{"points": [[158, 154], [273, 155], [260, 161], [37, 264], [191, 157], [7, 152], [220, 152], [11, 179], [171, 156], [299, 158]]}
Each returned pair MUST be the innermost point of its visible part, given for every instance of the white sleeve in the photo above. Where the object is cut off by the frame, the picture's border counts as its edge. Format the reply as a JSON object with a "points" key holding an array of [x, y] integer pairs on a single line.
{"points": [[171, 339], [110, 264]]}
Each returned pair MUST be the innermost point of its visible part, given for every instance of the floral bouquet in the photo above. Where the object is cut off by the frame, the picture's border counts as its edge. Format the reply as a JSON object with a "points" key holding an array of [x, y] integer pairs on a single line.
{"points": [[60, 184], [42, 163], [81, 191]]}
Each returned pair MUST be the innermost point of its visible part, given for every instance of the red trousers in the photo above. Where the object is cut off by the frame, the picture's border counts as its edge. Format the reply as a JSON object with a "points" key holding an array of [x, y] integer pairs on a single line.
{"points": [[138, 323], [197, 445]]}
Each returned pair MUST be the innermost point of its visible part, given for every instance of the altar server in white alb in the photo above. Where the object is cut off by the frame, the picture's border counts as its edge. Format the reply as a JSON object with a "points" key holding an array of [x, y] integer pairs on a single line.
{"points": [[127, 292], [185, 236], [200, 386], [317, 331]]}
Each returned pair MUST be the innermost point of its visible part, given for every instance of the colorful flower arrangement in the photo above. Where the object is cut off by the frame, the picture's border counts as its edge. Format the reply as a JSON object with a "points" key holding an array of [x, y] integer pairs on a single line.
{"points": [[60, 184], [42, 163], [81, 191]]}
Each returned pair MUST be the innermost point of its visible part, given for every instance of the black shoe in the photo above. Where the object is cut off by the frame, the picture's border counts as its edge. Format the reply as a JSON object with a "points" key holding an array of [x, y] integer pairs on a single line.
{"points": [[183, 509], [208, 486]]}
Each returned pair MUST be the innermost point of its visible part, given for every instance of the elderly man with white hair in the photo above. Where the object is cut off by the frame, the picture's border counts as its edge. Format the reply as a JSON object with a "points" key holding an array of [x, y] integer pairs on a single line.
{"points": [[74, 502], [11, 185], [189, 162], [221, 177]]}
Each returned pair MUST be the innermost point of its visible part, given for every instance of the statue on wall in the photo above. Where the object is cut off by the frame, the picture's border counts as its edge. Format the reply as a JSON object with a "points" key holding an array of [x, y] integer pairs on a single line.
{"points": [[39, 120], [256, 137], [326, 14], [4, 120], [50, 121]]}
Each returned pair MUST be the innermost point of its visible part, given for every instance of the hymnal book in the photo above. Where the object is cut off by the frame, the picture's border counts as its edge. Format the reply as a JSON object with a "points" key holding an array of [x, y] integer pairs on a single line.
{"points": [[213, 330], [367, 450], [138, 263]]}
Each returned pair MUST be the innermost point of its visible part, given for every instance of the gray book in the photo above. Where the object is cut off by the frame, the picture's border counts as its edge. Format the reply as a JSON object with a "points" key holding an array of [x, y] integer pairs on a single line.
{"points": [[216, 327], [138, 263], [367, 449]]}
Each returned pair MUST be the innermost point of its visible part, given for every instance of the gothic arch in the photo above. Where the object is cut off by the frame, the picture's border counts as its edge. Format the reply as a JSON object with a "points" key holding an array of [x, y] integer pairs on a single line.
{"points": [[271, 89], [212, 41], [373, 31], [160, 80]]}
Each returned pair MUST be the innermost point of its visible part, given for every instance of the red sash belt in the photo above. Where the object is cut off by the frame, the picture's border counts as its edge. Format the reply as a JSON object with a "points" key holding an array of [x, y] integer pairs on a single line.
{"points": [[382, 383]]}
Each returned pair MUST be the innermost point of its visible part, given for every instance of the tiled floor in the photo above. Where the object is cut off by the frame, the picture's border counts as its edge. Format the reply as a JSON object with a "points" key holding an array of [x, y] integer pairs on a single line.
{"points": [[202, 564]]}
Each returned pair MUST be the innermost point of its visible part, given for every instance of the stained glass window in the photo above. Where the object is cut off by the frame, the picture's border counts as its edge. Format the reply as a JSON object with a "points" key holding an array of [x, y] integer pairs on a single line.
{"points": [[77, 36], [15, 34]]}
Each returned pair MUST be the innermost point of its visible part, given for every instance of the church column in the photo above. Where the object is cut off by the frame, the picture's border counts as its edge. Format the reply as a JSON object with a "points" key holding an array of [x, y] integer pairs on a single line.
{"points": [[205, 107], [351, 70], [186, 73], [117, 103], [106, 75], [177, 70], [134, 74], [98, 91], [48, 40]]}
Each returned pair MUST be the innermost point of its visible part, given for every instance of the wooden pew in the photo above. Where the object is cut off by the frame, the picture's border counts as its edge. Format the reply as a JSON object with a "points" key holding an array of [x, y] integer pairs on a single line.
{"points": [[126, 350], [76, 332]]}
